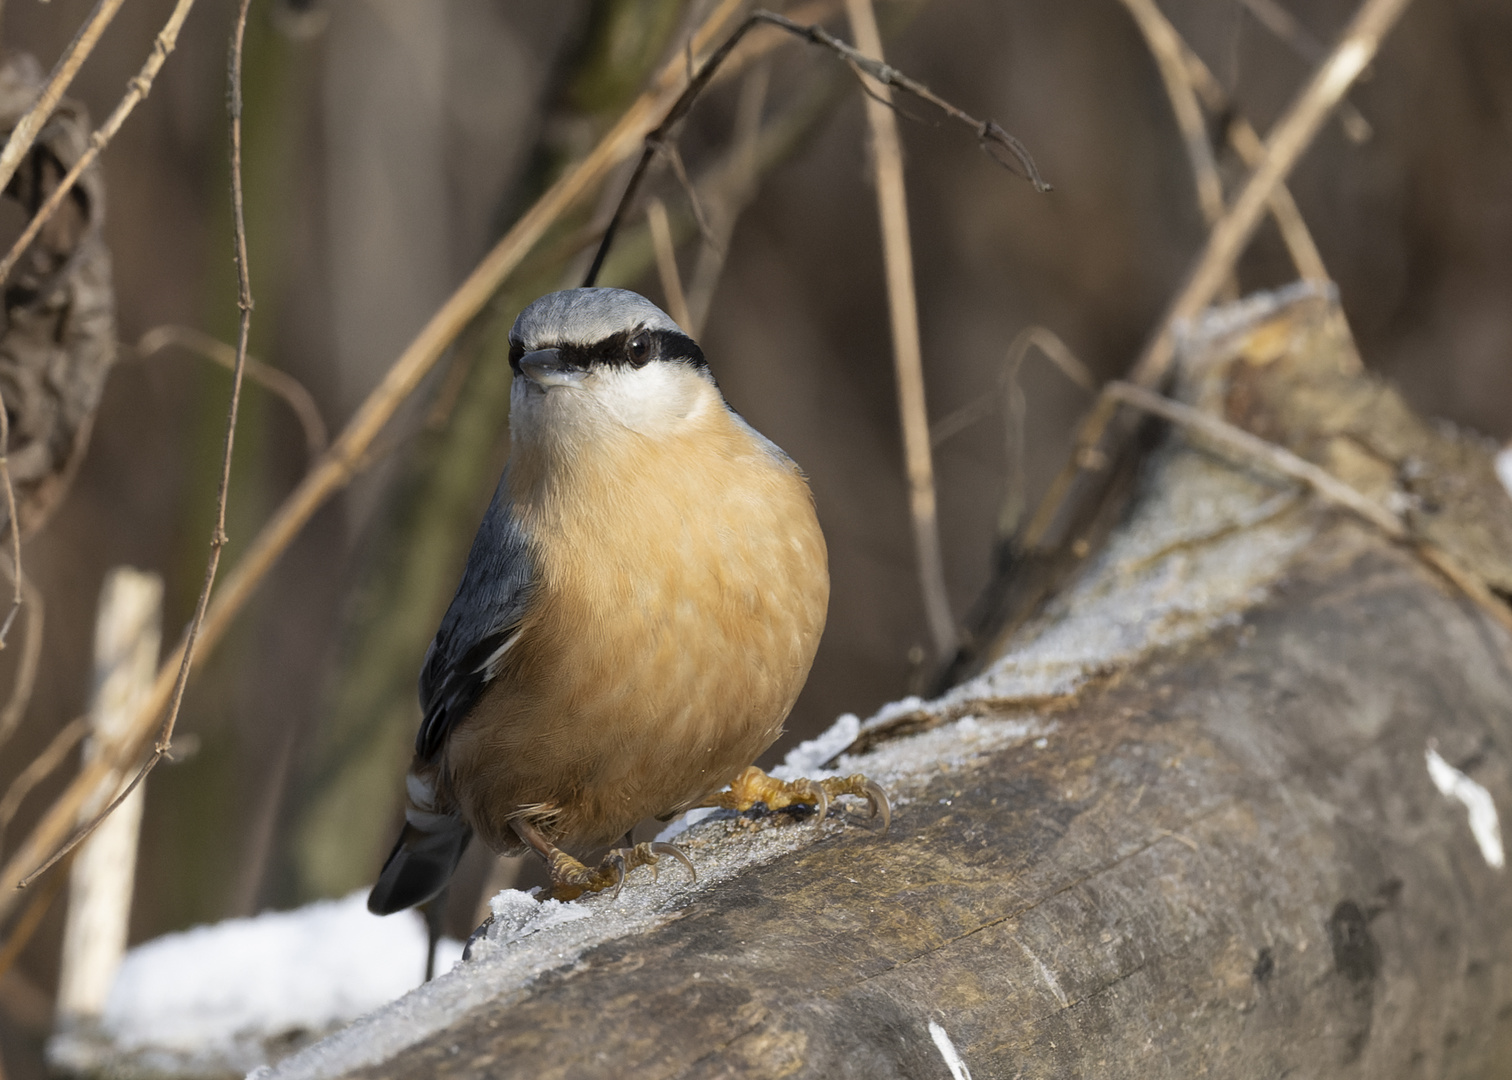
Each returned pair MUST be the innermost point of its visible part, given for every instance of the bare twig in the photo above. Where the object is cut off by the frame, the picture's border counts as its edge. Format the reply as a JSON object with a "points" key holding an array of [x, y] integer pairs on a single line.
{"points": [[1257, 450], [218, 538], [31, 658], [27, 128], [997, 143], [13, 524], [735, 193], [1031, 337], [1281, 23], [1468, 582], [680, 170], [341, 462], [137, 89], [1170, 49], [1324, 484], [1291, 136], [1014, 409], [40, 768], [666, 263], [908, 356], [1161, 38], [270, 378]]}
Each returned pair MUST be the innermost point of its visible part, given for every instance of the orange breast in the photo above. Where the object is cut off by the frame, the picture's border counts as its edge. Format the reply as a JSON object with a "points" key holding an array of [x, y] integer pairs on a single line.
{"points": [[683, 589]]}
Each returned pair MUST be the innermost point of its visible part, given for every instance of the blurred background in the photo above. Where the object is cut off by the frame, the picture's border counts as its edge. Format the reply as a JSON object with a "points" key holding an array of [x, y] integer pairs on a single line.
{"points": [[389, 143]]}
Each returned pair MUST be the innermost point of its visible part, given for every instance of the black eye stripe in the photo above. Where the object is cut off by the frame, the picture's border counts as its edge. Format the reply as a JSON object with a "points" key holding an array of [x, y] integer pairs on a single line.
{"points": [[614, 351]]}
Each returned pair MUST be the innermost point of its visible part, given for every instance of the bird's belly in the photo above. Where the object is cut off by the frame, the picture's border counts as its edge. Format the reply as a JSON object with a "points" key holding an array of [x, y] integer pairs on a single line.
{"points": [[689, 678]]}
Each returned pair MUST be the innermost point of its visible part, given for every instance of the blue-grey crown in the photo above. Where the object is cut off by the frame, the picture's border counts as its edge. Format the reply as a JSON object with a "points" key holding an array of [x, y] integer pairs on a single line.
{"points": [[586, 317]]}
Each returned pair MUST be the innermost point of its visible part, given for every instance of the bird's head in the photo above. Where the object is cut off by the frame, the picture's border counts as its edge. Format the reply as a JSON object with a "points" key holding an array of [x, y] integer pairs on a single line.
{"points": [[591, 364]]}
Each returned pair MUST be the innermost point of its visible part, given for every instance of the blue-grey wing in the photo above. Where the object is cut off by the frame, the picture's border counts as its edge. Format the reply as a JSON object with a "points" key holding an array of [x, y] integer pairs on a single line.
{"points": [[480, 627]]}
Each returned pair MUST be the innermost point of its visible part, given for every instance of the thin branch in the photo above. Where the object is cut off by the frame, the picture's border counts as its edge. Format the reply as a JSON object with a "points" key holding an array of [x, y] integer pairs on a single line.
{"points": [[1011, 512], [666, 263], [137, 89], [1247, 143], [680, 170], [218, 538], [1031, 337], [341, 462], [738, 187], [908, 355], [1254, 449], [1163, 39], [270, 378], [40, 769], [1284, 25], [997, 143], [1290, 137], [24, 135], [588, 240], [13, 524], [31, 659], [1468, 582], [1280, 22], [1324, 484]]}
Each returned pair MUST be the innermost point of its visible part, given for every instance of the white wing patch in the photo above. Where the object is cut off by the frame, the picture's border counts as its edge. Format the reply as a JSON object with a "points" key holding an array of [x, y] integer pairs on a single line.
{"points": [[490, 666]]}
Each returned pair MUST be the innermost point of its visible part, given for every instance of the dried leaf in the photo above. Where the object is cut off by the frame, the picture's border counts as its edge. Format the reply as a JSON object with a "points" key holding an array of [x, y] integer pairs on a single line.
{"points": [[57, 338]]}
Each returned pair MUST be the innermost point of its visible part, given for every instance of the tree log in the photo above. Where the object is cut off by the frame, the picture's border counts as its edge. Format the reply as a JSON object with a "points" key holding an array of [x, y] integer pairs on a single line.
{"points": [[1228, 805]]}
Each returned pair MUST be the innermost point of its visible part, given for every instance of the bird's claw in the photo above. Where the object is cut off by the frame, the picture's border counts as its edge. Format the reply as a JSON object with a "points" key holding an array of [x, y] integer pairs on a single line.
{"points": [[571, 879], [876, 798], [863, 787], [754, 786]]}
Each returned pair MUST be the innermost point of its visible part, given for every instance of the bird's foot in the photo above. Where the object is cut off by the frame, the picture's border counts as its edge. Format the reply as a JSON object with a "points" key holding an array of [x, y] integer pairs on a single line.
{"points": [[571, 879], [754, 787]]}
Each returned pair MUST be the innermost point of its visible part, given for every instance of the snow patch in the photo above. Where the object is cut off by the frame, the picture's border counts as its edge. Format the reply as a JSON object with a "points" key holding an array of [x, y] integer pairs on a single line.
{"points": [[952, 1056], [1504, 468], [1485, 826], [519, 914], [219, 992], [808, 758], [281, 971]]}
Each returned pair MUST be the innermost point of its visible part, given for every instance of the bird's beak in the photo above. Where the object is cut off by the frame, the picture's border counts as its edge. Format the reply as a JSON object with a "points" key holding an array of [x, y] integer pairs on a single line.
{"points": [[545, 367]]}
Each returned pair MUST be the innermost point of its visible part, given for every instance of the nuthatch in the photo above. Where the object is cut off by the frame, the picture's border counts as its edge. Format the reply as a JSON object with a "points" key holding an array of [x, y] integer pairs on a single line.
{"points": [[638, 613]]}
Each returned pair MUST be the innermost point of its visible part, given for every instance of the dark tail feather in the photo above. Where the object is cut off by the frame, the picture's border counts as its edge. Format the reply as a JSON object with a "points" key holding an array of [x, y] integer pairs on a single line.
{"points": [[420, 866]]}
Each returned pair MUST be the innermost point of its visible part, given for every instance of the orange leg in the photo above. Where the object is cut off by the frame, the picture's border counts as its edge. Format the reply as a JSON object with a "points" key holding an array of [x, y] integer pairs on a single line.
{"points": [[571, 879], [754, 786]]}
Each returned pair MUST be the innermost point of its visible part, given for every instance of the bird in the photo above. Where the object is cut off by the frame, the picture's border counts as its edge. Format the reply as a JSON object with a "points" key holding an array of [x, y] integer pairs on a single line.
{"points": [[638, 613]]}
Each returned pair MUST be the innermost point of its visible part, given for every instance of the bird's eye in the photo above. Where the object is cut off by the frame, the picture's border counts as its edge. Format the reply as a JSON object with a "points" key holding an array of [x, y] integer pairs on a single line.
{"points": [[639, 349]]}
